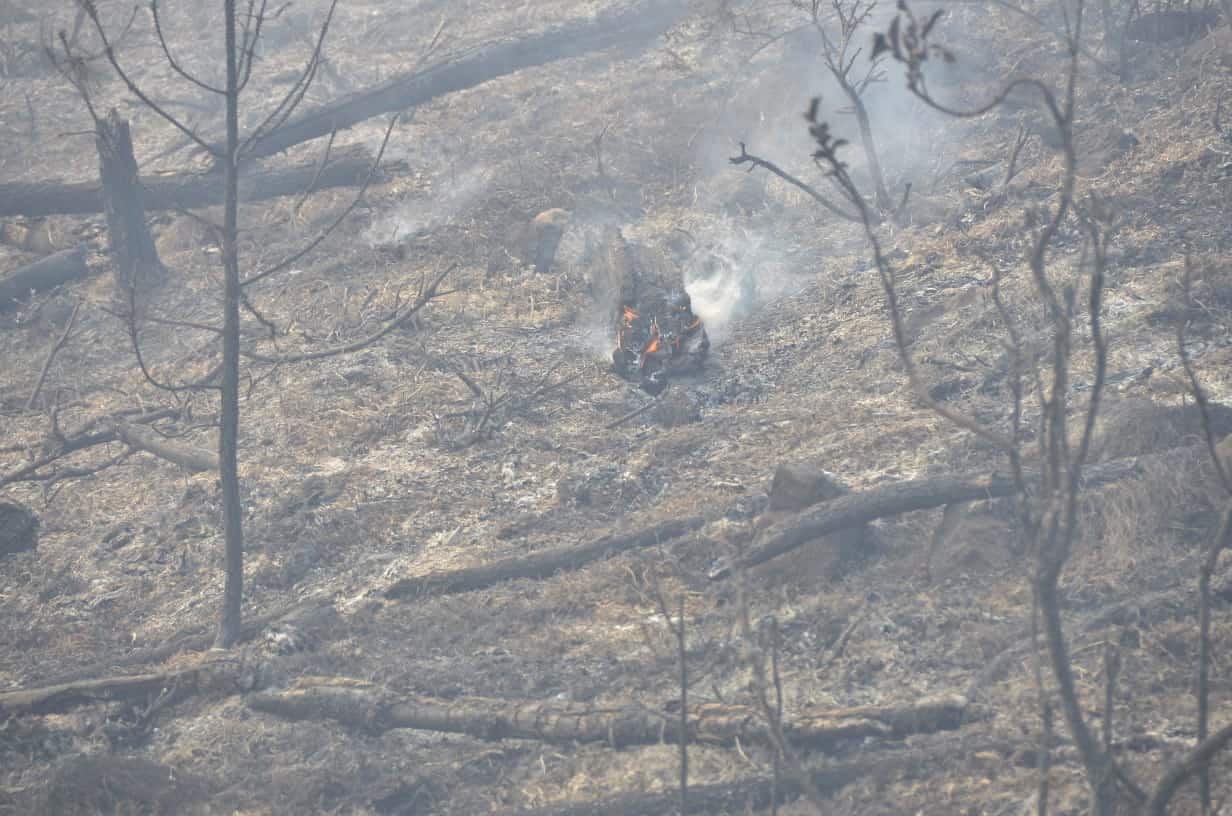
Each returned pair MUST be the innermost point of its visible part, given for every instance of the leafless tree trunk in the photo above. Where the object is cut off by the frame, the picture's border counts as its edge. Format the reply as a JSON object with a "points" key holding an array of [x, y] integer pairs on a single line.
{"points": [[241, 37], [228, 437]]}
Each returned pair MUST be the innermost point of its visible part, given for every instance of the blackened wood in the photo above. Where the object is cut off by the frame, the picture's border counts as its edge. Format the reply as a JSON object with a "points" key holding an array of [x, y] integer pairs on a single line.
{"points": [[45, 273], [539, 565], [373, 708], [345, 168], [128, 235], [630, 27]]}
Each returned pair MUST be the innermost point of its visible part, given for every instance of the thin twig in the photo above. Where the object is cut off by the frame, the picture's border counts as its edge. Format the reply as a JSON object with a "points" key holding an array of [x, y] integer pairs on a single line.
{"points": [[631, 415], [51, 355]]}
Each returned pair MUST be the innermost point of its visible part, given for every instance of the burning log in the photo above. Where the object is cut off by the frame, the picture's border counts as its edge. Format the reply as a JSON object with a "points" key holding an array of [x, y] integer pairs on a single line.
{"points": [[659, 337]]}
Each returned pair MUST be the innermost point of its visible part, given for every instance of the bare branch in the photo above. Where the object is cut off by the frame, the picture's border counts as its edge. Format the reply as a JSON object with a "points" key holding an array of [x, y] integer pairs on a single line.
{"points": [[429, 294], [171, 60], [321, 236], [51, 355], [1198, 760], [92, 12], [291, 100], [756, 161]]}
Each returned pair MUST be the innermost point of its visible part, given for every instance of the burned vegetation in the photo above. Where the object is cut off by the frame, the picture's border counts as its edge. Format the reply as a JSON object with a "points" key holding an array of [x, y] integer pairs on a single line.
{"points": [[636, 407]]}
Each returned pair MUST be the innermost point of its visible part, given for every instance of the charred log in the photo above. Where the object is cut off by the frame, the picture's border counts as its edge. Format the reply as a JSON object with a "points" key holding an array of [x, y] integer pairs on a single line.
{"points": [[360, 704], [45, 273], [855, 509], [346, 168], [631, 27], [539, 565], [66, 696]]}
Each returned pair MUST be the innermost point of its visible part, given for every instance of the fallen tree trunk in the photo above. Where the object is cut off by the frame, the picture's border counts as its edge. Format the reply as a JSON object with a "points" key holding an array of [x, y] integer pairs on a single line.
{"points": [[372, 708], [630, 27], [855, 509], [65, 696], [45, 273], [539, 565], [748, 795], [190, 458], [187, 191]]}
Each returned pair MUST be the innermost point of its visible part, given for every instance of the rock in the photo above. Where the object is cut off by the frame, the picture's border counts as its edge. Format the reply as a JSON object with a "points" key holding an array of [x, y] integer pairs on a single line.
{"points": [[18, 529], [303, 629], [799, 485], [604, 487], [546, 231]]}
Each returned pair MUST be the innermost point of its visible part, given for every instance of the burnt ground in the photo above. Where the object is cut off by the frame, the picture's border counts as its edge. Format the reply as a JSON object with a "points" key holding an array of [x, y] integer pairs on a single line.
{"points": [[358, 470]]}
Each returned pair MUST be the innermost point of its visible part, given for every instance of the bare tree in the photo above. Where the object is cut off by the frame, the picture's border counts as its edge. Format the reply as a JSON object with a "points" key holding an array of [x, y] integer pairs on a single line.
{"points": [[242, 31], [841, 24], [1048, 507]]}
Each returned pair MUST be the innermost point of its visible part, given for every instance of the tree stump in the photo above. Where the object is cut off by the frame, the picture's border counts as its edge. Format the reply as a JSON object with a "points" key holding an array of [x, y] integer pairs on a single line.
{"points": [[132, 247]]}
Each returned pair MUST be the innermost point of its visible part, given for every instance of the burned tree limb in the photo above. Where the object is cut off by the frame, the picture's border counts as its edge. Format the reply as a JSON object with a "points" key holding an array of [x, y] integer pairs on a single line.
{"points": [[630, 27], [72, 444], [1194, 764], [190, 458], [539, 565], [186, 191], [855, 509], [65, 696], [45, 273], [372, 708]]}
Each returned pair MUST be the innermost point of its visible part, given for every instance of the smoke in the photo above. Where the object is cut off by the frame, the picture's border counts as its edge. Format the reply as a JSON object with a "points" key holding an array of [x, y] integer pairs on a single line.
{"points": [[731, 272], [765, 106], [431, 209], [738, 262]]}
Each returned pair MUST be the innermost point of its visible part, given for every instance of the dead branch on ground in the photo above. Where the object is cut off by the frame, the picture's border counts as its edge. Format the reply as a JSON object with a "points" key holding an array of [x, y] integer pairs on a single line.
{"points": [[375, 709], [51, 355], [45, 273], [60, 446], [188, 190], [498, 393], [190, 458], [854, 509], [539, 565], [211, 674]]}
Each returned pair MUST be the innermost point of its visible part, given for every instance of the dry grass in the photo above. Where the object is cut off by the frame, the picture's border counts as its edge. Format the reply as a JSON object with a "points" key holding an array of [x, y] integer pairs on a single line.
{"points": [[353, 478]]}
